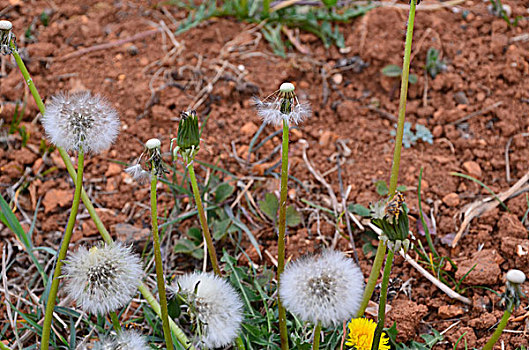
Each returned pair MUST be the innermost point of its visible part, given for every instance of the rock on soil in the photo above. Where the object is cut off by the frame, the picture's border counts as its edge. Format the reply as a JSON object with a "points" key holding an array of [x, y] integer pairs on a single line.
{"points": [[408, 315], [486, 271]]}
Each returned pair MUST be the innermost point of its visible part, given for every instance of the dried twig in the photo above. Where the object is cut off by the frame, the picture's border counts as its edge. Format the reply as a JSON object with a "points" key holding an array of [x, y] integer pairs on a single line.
{"points": [[477, 113], [109, 45], [481, 206]]}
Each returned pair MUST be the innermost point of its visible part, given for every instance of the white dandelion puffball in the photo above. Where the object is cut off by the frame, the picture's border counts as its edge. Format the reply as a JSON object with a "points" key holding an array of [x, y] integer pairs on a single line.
{"points": [[282, 105], [80, 121], [215, 304], [137, 173], [125, 340], [104, 278], [326, 288]]}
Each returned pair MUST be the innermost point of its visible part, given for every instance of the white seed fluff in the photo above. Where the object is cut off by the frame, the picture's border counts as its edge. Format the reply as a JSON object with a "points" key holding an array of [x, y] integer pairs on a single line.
{"points": [[137, 173], [126, 340], [216, 305], [104, 278], [287, 87], [326, 288], [82, 121], [270, 111]]}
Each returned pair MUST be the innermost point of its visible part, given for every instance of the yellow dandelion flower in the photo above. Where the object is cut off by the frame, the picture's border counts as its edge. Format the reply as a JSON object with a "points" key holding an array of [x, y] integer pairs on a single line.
{"points": [[361, 332]]}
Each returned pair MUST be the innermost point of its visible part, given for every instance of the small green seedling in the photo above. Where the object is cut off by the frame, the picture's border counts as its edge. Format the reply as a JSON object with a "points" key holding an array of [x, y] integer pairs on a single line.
{"points": [[410, 138], [394, 71], [270, 205], [434, 64]]}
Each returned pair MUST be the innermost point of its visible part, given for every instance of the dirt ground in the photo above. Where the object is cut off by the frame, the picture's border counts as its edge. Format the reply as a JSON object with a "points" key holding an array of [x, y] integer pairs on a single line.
{"points": [[477, 111]]}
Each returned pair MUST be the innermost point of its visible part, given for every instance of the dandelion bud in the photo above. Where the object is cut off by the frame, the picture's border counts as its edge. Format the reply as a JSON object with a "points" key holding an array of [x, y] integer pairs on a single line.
{"points": [[326, 289], [5, 37], [188, 132], [213, 304], [104, 278], [81, 121], [391, 216], [283, 105]]}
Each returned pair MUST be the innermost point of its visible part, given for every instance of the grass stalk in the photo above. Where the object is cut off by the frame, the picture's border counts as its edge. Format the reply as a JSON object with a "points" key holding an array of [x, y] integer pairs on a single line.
{"points": [[281, 235], [203, 221], [266, 8], [151, 300], [50, 305], [381, 250], [115, 321], [383, 300], [316, 337], [160, 280], [499, 330], [372, 281]]}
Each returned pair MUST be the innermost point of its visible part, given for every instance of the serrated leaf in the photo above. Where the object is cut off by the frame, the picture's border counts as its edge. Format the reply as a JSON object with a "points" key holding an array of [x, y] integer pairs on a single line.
{"points": [[223, 192], [269, 206], [293, 217], [382, 188]]}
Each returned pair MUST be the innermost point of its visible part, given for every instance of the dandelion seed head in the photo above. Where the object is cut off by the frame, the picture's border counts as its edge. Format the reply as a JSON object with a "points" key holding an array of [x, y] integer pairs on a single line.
{"points": [[5, 37], [125, 340], [282, 105], [80, 121], [103, 278], [215, 304], [326, 289], [5, 25]]}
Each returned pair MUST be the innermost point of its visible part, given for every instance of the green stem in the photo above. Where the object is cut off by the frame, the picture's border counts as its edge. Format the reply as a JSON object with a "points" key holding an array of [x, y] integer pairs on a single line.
{"points": [[239, 343], [180, 335], [266, 8], [50, 305], [497, 333], [160, 280], [425, 227], [115, 321], [373, 277], [381, 250], [402, 104], [203, 221], [383, 300], [3, 346], [27, 77], [281, 235], [316, 337]]}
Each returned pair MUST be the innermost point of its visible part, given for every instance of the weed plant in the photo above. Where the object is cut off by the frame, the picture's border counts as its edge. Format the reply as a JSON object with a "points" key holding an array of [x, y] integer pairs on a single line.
{"points": [[242, 306]]}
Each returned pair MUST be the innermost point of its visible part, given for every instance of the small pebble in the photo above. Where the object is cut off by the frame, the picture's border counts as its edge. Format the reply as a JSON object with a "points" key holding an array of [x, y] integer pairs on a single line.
{"points": [[337, 78], [451, 200]]}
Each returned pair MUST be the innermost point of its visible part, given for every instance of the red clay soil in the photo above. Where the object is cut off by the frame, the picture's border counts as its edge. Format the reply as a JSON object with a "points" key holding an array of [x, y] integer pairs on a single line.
{"points": [[218, 66]]}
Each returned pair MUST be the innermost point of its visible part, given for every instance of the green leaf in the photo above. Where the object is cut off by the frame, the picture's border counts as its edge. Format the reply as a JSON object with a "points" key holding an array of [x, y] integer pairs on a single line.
{"points": [[220, 228], [382, 188], [269, 206], [359, 209], [293, 217], [412, 78], [223, 192], [392, 70], [402, 188], [195, 234]]}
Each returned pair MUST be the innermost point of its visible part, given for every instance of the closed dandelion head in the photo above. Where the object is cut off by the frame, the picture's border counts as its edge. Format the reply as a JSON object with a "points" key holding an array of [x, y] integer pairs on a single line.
{"points": [[188, 137], [103, 278], [6, 35], [213, 304], [81, 121], [282, 105], [326, 288], [361, 333]]}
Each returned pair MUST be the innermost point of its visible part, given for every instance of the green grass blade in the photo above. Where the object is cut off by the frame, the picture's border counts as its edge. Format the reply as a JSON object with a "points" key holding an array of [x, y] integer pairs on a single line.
{"points": [[468, 177]]}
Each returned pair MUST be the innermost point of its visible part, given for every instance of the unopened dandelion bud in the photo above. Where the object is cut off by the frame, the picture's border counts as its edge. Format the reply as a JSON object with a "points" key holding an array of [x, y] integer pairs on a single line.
{"points": [[213, 304], [188, 132], [103, 278], [81, 121], [326, 289], [5, 37]]}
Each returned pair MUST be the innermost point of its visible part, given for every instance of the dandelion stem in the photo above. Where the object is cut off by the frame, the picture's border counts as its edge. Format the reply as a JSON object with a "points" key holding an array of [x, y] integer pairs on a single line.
{"points": [[160, 280], [381, 250], [281, 235], [239, 343], [497, 333], [316, 336], [180, 335], [50, 305], [373, 277], [203, 221], [115, 321], [383, 299]]}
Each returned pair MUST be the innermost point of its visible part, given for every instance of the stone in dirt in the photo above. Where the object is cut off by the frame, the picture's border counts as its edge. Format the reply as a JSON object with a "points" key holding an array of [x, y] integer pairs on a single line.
{"points": [[113, 170], [486, 271], [249, 129], [473, 169], [56, 198], [451, 200], [510, 226], [450, 311], [408, 315]]}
